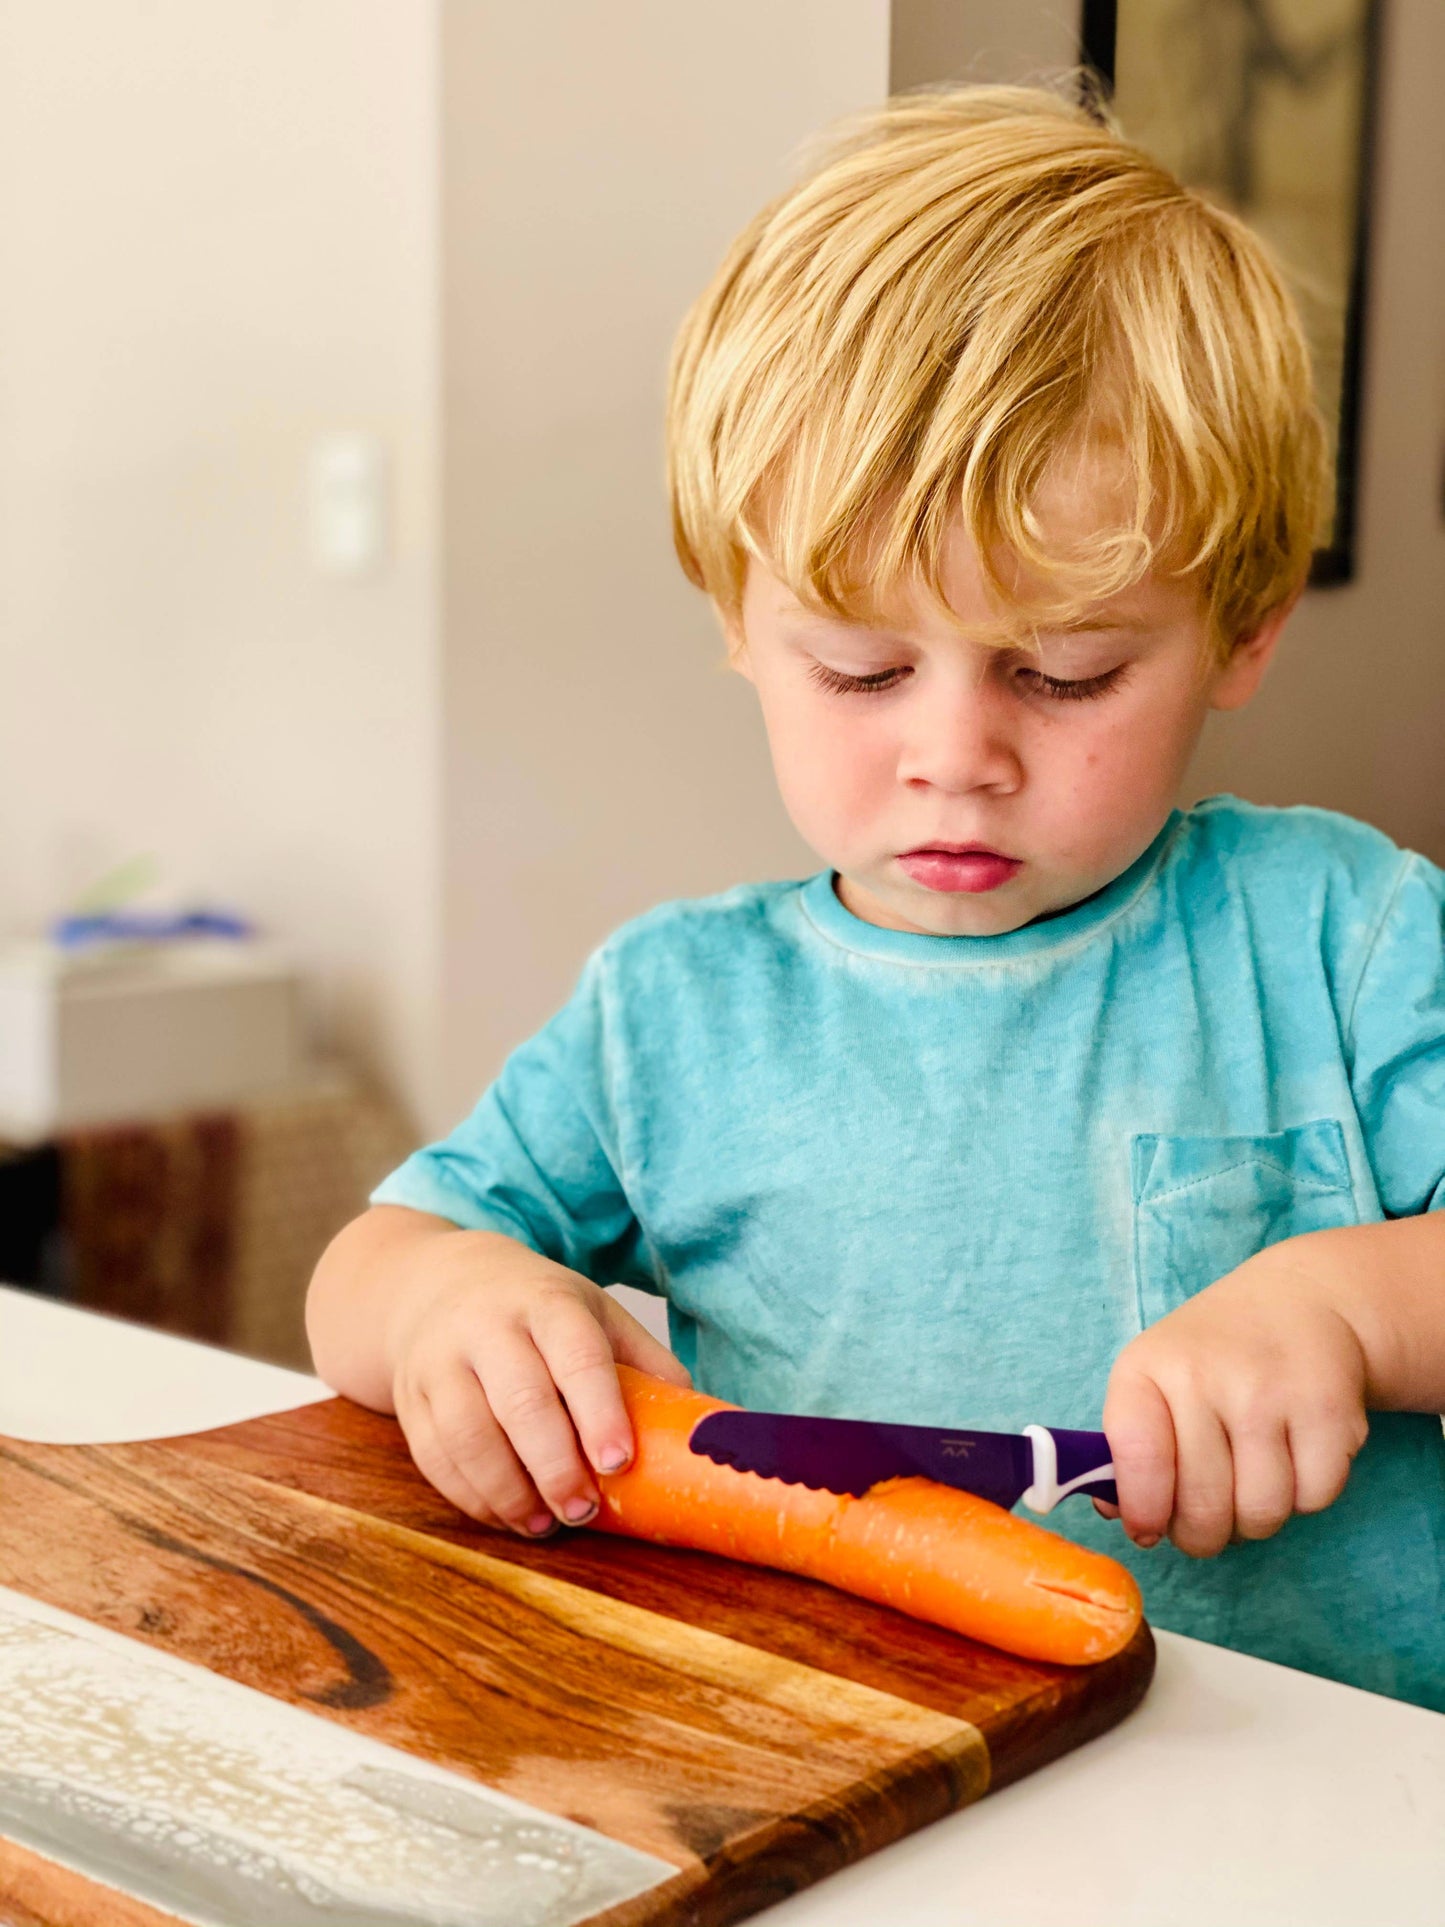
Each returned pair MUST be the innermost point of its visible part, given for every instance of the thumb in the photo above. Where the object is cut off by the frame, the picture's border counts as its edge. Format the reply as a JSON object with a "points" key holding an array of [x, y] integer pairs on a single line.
{"points": [[633, 1344]]}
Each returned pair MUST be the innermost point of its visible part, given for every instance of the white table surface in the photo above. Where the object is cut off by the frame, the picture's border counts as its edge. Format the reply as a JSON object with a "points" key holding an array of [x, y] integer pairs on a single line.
{"points": [[1239, 1792]]}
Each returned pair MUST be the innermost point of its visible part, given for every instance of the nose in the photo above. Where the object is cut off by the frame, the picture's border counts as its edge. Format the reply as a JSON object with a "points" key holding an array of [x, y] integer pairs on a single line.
{"points": [[960, 736]]}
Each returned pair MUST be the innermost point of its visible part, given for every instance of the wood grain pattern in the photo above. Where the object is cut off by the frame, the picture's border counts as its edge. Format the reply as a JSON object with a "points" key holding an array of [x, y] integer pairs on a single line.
{"points": [[751, 1729], [1030, 1711], [36, 1893]]}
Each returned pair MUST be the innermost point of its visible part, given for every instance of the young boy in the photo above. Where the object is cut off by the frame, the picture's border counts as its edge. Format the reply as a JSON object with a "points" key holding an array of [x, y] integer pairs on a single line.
{"points": [[994, 448]]}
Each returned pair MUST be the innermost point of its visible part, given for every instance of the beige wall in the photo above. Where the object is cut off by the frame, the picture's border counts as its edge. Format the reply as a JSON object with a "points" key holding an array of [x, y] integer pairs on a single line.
{"points": [[597, 759], [1008, 41], [218, 240]]}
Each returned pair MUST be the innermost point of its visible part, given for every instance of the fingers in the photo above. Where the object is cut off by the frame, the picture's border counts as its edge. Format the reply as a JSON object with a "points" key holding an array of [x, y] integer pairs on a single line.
{"points": [[1208, 1471], [1181, 1471], [577, 1354], [1140, 1432], [512, 1412], [434, 1444], [1264, 1478], [555, 1395], [1238, 1409], [1323, 1445], [525, 1389], [1203, 1520]]}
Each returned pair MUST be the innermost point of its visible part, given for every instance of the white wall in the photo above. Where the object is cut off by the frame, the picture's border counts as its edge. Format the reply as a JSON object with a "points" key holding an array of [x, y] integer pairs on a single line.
{"points": [[218, 239]]}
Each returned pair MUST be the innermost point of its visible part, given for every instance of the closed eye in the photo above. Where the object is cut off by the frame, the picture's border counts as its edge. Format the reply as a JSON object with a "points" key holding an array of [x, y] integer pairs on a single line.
{"points": [[842, 685], [1058, 689], [1035, 682]]}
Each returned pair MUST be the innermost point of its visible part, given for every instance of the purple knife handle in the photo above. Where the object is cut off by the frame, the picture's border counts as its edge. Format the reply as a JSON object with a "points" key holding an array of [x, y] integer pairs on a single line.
{"points": [[1066, 1462]]}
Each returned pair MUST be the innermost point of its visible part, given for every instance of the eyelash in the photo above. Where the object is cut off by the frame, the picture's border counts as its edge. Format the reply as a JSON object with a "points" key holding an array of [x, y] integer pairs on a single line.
{"points": [[1082, 691], [842, 685], [1057, 690]]}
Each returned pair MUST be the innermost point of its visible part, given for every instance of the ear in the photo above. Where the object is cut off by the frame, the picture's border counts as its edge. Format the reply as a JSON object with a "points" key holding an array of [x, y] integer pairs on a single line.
{"points": [[1243, 671]]}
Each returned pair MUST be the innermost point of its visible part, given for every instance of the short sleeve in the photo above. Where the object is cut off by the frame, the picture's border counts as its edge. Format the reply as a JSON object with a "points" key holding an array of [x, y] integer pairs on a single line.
{"points": [[539, 1158], [1396, 1039]]}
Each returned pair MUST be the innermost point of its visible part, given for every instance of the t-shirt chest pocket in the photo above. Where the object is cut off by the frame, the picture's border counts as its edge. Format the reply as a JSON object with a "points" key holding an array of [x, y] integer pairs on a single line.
{"points": [[1202, 1205]]}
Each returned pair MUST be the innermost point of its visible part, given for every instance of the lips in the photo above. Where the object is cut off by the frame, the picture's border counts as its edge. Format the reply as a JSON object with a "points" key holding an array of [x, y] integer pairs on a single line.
{"points": [[954, 867]]}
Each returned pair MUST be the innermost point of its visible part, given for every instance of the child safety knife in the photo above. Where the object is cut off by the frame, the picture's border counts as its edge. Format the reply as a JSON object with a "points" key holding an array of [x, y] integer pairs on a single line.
{"points": [[1039, 1465]]}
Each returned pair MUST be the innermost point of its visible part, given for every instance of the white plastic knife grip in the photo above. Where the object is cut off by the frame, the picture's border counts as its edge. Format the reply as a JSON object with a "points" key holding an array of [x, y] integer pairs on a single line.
{"points": [[1045, 1492]]}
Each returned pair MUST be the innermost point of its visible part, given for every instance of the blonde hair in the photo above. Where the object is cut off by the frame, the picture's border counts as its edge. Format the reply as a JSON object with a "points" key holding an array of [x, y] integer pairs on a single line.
{"points": [[972, 289]]}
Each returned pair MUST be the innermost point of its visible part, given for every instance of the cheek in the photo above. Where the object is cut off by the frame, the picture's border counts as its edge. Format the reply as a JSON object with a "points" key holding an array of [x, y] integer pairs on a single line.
{"points": [[829, 765], [1122, 770], [835, 772]]}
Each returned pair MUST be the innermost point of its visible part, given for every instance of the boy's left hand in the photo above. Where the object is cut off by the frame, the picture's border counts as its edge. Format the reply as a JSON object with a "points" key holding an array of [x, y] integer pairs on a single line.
{"points": [[1241, 1407]]}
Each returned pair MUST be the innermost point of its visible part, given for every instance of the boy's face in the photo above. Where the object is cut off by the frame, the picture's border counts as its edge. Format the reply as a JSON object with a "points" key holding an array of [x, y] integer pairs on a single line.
{"points": [[966, 790]]}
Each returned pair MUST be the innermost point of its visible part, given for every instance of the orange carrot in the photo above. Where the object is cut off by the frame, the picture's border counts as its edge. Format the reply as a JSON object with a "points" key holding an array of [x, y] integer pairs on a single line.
{"points": [[928, 1549]]}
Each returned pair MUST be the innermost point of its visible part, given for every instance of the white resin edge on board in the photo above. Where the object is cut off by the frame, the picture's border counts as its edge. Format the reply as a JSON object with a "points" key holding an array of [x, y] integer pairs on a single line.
{"points": [[73, 1377], [227, 1808]]}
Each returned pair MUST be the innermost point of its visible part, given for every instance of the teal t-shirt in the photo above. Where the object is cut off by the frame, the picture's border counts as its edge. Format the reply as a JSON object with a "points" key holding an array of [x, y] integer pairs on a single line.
{"points": [[946, 1179]]}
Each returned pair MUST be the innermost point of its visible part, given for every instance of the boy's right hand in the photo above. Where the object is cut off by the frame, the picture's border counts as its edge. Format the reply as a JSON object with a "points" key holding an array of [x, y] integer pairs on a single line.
{"points": [[504, 1380]]}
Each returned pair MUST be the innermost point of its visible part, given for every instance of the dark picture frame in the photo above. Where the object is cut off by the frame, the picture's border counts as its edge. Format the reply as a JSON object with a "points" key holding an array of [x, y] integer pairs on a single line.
{"points": [[1266, 55]]}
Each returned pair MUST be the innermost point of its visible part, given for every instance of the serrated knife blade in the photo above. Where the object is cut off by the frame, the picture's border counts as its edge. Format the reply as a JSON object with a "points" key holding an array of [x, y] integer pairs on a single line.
{"points": [[1039, 1465]]}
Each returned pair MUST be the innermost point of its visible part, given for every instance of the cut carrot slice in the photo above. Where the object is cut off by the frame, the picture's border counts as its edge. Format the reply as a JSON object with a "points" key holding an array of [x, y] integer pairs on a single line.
{"points": [[925, 1548]]}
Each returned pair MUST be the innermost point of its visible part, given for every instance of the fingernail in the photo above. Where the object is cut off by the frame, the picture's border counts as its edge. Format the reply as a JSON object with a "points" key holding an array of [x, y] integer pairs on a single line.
{"points": [[576, 1510], [612, 1461], [540, 1524], [1146, 1540]]}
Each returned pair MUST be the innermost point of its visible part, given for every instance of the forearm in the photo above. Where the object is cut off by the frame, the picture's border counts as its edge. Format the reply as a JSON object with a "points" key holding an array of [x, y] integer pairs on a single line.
{"points": [[1387, 1281], [369, 1277]]}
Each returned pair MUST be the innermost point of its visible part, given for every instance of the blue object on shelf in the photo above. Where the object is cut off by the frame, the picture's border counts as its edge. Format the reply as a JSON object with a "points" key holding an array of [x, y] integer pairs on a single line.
{"points": [[139, 926]]}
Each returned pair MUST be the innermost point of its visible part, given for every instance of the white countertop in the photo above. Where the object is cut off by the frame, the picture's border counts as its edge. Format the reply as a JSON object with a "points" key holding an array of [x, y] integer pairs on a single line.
{"points": [[1239, 1792]]}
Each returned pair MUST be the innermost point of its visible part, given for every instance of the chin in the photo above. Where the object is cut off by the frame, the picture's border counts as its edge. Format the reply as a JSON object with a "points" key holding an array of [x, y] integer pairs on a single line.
{"points": [[936, 914], [974, 919]]}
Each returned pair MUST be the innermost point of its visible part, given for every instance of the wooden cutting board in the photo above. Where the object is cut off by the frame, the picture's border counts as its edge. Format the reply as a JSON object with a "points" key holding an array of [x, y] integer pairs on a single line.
{"points": [[739, 1733]]}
